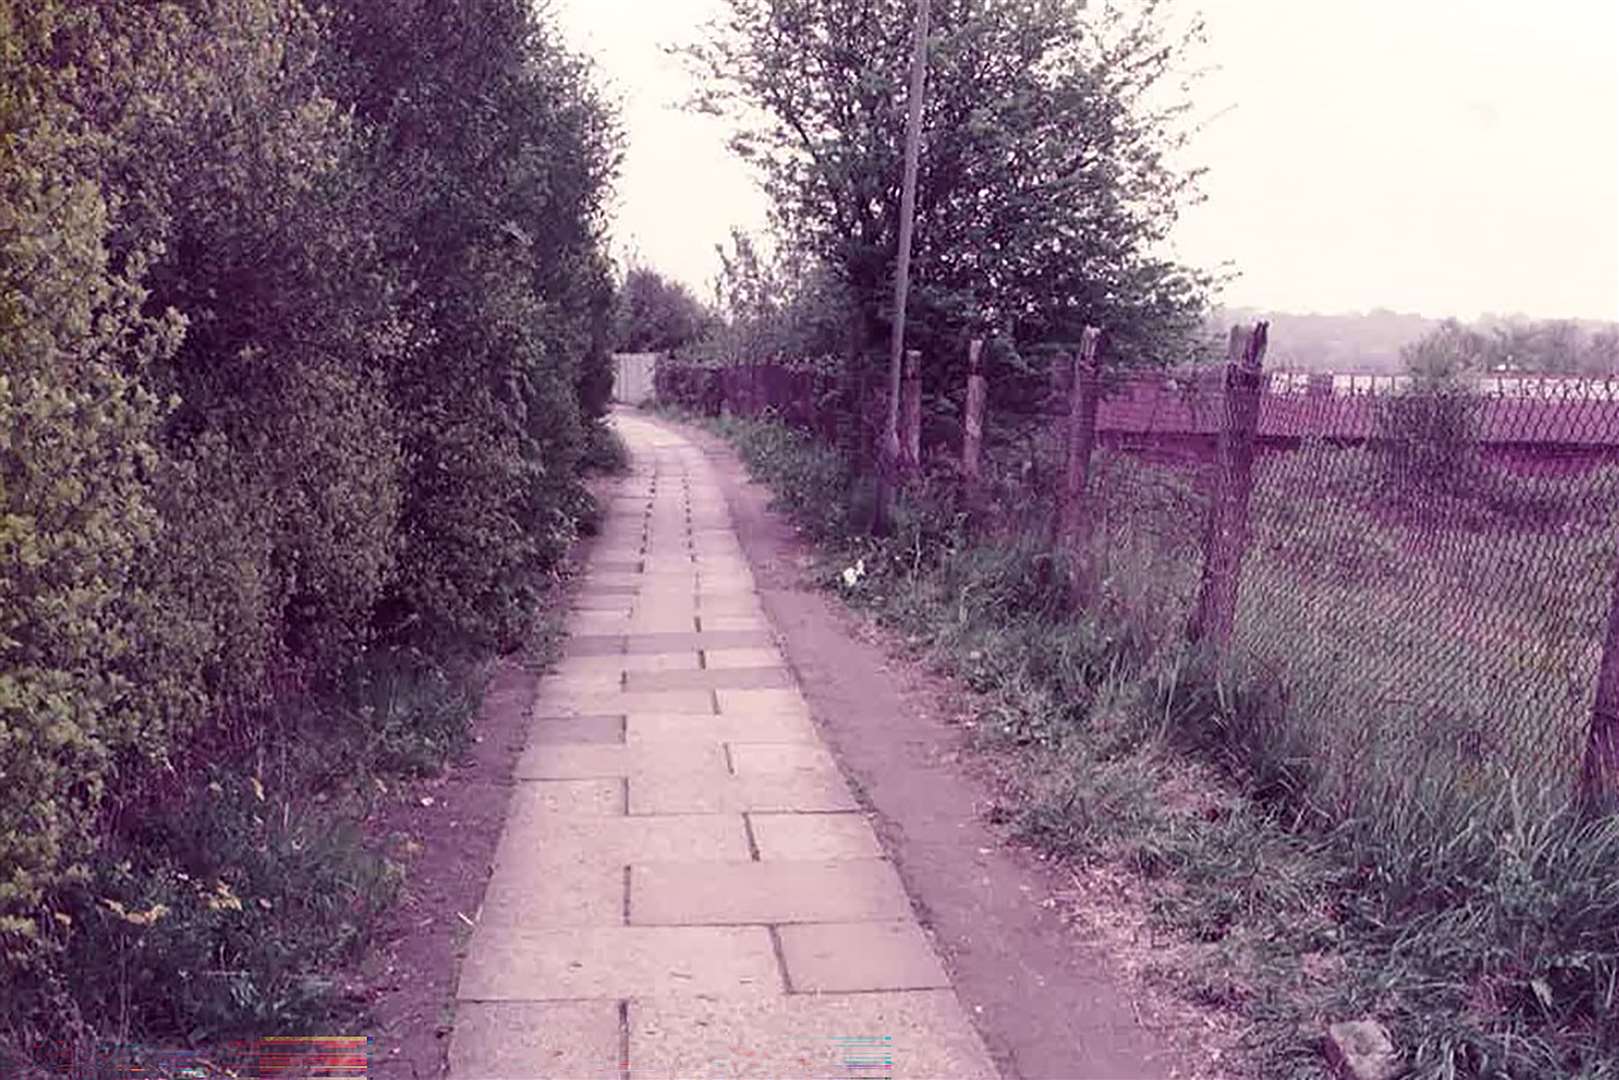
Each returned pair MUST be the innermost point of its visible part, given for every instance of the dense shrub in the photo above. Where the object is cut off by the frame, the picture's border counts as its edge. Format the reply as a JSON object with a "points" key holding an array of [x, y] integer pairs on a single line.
{"points": [[304, 323]]}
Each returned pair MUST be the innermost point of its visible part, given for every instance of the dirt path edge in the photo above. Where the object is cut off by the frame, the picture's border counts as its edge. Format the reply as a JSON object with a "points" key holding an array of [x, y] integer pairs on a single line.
{"points": [[1045, 1005]]}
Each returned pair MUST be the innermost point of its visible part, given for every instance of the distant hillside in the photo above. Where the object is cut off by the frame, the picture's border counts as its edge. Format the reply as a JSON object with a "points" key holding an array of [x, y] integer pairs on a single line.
{"points": [[1354, 342]]}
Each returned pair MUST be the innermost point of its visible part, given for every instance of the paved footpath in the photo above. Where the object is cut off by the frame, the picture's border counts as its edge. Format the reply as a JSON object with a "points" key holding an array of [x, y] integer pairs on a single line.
{"points": [[685, 887]]}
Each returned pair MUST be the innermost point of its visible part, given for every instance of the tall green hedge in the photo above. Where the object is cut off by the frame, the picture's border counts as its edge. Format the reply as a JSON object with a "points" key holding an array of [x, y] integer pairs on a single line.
{"points": [[303, 323]]}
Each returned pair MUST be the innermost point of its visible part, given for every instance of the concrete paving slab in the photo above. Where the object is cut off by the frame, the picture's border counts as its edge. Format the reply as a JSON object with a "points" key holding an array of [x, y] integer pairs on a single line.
{"points": [[908, 1035], [719, 565], [577, 729], [724, 894], [743, 658], [762, 703], [622, 662], [575, 682], [606, 703], [594, 645], [576, 761], [844, 957], [662, 623], [690, 639], [553, 1040], [599, 622], [665, 564], [729, 603], [566, 842], [710, 582], [536, 798], [595, 579], [786, 727], [760, 678], [674, 778], [688, 793], [627, 567], [712, 623], [617, 605], [814, 836], [523, 893], [621, 962]]}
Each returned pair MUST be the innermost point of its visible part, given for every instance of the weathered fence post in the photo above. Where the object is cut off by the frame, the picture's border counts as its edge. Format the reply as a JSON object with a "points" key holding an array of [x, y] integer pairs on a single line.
{"points": [[1599, 776], [1225, 539], [1073, 512], [911, 412], [972, 424]]}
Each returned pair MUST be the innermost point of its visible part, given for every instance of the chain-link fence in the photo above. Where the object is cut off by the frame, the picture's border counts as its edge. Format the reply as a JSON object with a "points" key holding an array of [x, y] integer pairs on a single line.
{"points": [[1415, 578]]}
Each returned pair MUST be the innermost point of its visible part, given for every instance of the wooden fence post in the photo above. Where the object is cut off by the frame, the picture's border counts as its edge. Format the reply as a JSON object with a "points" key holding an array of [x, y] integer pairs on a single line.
{"points": [[1225, 539], [972, 424], [911, 412], [1073, 515], [1599, 775]]}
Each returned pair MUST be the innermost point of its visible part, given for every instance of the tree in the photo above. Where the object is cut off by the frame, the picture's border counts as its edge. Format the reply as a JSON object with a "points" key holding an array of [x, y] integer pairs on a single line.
{"points": [[779, 307], [495, 153], [1046, 179], [656, 314], [1446, 353]]}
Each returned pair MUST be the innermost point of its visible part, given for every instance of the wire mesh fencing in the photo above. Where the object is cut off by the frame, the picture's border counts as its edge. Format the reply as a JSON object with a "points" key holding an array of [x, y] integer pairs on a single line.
{"points": [[1417, 576]]}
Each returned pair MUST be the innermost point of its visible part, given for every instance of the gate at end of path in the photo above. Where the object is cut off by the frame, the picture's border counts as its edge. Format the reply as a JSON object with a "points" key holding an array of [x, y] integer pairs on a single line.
{"points": [[633, 377]]}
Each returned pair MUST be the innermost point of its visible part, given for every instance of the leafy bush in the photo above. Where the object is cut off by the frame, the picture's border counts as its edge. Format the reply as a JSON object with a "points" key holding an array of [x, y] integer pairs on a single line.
{"points": [[77, 519], [605, 451], [304, 323]]}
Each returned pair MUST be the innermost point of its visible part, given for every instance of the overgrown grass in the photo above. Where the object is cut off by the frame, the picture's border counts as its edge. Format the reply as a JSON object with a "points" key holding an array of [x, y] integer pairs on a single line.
{"points": [[1471, 910], [232, 900]]}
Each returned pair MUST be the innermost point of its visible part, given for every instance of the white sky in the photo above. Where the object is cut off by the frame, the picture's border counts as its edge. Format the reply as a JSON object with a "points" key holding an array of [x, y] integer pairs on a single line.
{"points": [[1447, 157]]}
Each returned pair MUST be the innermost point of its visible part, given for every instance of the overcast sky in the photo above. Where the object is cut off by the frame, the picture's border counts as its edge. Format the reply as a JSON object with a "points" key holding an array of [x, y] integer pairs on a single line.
{"points": [[1447, 157]]}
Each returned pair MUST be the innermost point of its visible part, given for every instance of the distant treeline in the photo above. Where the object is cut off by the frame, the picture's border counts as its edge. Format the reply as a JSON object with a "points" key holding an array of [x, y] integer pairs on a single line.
{"points": [[1381, 341]]}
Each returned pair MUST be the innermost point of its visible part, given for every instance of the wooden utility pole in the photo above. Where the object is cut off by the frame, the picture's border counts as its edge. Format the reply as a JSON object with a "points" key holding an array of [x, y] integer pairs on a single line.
{"points": [[889, 467]]}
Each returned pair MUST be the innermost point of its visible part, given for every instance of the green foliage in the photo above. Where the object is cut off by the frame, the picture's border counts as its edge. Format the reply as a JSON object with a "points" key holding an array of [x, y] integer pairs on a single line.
{"points": [[304, 337], [809, 481], [497, 203], [1429, 438], [77, 520], [656, 314], [605, 451], [1047, 180], [1446, 352], [781, 308], [231, 916]]}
